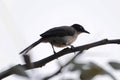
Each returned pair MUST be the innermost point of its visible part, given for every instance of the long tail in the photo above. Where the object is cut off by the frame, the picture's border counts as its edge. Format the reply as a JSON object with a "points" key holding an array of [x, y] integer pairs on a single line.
{"points": [[30, 47]]}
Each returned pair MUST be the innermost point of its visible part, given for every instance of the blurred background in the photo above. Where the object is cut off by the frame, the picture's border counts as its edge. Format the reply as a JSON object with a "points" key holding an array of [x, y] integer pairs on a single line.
{"points": [[22, 21]]}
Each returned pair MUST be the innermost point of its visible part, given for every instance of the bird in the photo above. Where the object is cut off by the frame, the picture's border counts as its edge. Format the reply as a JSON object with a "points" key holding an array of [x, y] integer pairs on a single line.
{"points": [[61, 36]]}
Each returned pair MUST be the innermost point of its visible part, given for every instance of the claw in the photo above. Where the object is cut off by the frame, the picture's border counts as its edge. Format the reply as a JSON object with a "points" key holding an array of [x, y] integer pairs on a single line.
{"points": [[72, 48]]}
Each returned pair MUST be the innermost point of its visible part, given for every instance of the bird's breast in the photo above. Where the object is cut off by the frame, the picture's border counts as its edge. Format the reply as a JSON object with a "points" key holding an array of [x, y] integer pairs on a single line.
{"points": [[62, 41], [70, 39]]}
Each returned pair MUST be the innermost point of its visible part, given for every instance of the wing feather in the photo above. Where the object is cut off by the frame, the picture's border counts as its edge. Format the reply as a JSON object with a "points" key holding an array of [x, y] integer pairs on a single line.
{"points": [[59, 31]]}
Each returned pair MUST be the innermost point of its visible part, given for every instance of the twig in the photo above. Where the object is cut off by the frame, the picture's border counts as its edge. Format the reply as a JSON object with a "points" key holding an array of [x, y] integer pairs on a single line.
{"points": [[60, 69], [27, 60]]}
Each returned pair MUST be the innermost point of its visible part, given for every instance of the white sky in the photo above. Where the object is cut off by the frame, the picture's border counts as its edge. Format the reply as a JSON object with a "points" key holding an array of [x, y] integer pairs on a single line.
{"points": [[22, 21]]}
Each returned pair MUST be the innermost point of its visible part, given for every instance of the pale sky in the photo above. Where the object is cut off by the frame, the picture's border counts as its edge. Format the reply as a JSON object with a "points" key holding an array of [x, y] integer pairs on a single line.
{"points": [[22, 21]]}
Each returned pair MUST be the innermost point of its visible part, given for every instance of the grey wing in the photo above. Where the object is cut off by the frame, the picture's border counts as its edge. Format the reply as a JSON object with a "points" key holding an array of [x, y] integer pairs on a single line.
{"points": [[59, 31]]}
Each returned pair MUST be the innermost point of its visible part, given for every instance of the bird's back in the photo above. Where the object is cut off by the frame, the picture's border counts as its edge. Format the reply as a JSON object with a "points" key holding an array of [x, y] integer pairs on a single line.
{"points": [[58, 31]]}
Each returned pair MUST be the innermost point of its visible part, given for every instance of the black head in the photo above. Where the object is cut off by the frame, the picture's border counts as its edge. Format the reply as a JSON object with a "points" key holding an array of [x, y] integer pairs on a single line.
{"points": [[79, 28]]}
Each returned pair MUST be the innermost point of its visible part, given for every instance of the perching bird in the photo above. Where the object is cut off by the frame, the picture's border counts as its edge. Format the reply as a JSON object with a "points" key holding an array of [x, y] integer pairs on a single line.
{"points": [[59, 36]]}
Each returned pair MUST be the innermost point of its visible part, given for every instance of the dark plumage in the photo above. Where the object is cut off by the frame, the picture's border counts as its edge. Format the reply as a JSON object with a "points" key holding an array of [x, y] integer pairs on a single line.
{"points": [[59, 36], [58, 31]]}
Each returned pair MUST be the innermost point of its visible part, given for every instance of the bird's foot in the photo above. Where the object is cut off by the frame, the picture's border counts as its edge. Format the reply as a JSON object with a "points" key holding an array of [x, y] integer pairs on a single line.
{"points": [[72, 48]]}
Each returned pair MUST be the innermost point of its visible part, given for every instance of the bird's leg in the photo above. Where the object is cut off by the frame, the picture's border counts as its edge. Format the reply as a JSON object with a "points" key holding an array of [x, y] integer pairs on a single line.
{"points": [[72, 47], [53, 49]]}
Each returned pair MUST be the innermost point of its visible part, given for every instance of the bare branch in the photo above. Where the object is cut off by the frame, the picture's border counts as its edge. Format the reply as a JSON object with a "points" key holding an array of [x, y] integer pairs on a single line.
{"points": [[65, 51]]}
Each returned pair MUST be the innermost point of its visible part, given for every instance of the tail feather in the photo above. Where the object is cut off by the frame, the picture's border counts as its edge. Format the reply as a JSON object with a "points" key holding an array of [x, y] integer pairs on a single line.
{"points": [[31, 46]]}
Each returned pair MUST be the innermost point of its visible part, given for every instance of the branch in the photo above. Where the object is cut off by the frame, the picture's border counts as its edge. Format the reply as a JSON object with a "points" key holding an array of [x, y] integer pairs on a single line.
{"points": [[69, 50], [65, 51]]}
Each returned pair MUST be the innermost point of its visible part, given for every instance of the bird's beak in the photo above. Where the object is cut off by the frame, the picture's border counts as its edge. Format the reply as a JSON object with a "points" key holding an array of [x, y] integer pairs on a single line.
{"points": [[86, 32]]}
